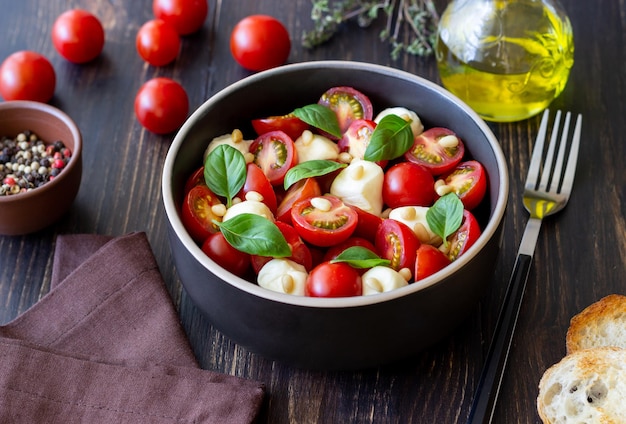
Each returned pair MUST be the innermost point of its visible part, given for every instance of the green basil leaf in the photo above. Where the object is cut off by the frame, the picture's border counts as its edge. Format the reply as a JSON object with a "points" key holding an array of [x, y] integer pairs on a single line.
{"points": [[311, 168], [391, 138], [445, 216], [255, 235], [320, 117], [225, 172], [361, 257]]}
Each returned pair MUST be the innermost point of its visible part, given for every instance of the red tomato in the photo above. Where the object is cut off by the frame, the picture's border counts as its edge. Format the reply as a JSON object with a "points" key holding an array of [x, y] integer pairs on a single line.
{"points": [[289, 124], [429, 260], [78, 36], [469, 181], [300, 252], [186, 16], [257, 181], [349, 104], [260, 42], [333, 280], [396, 242], [429, 151], [357, 137], [217, 248], [27, 75], [335, 250], [275, 153], [157, 42], [303, 189], [161, 105], [463, 238], [197, 178], [197, 215], [368, 224], [330, 225], [408, 184]]}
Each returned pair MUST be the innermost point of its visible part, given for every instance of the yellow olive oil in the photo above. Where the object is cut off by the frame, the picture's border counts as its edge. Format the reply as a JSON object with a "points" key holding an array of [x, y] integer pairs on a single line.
{"points": [[506, 59]]}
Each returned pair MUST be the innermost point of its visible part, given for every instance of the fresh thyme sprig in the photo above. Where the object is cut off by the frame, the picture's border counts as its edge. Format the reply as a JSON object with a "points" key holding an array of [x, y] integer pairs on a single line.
{"points": [[418, 16]]}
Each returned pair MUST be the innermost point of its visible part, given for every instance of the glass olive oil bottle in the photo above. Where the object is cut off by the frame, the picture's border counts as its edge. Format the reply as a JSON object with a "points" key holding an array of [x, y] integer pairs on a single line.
{"points": [[506, 59]]}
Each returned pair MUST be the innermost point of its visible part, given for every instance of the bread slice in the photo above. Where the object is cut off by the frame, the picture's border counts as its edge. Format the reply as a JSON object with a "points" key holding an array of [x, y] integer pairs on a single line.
{"points": [[586, 387], [602, 323]]}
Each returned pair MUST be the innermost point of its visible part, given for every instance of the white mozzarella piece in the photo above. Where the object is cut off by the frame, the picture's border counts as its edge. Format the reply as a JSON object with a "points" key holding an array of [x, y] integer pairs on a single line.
{"points": [[415, 218], [283, 276], [315, 147], [360, 184], [416, 124], [380, 279]]}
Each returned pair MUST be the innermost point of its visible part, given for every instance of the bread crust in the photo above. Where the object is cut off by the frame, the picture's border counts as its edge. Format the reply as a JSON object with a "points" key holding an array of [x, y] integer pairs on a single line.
{"points": [[602, 323]]}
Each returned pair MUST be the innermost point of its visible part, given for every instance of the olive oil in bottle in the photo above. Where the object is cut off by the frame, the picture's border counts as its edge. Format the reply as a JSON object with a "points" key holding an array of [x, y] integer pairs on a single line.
{"points": [[506, 59]]}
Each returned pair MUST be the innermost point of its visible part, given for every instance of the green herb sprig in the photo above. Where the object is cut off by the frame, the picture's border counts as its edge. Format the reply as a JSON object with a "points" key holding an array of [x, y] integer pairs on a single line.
{"points": [[418, 17], [445, 216]]}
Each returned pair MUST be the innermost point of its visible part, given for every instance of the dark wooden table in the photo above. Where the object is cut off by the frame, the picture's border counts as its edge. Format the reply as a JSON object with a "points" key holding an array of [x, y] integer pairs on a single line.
{"points": [[580, 256]]}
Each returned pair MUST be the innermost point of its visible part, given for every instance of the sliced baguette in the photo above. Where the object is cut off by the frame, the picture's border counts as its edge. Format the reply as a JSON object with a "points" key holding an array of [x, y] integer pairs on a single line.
{"points": [[602, 323], [586, 387]]}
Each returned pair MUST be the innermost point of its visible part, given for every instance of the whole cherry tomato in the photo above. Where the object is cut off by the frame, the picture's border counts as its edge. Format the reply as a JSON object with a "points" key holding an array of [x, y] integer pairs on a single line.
{"points": [[408, 184], [348, 104], [157, 42], [275, 153], [217, 248], [197, 215], [161, 105], [333, 280], [437, 149], [27, 75], [323, 220], [468, 180], [429, 260], [258, 182], [78, 36], [260, 42], [398, 243], [463, 238], [367, 225], [186, 16], [197, 178]]}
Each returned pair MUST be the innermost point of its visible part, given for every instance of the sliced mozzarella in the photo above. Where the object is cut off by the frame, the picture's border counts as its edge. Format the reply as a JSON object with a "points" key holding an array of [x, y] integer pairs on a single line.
{"points": [[416, 124], [283, 276], [360, 184], [382, 279], [314, 146], [249, 206], [415, 218], [234, 139]]}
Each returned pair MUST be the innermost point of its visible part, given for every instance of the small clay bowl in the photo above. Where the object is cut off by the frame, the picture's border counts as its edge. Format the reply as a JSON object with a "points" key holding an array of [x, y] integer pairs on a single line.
{"points": [[31, 211]]}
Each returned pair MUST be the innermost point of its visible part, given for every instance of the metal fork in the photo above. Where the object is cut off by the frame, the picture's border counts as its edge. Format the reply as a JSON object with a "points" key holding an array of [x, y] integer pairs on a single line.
{"points": [[545, 193]]}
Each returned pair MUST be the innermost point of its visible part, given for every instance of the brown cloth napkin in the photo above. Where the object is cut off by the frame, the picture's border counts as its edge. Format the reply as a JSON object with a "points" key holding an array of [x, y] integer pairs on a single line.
{"points": [[105, 346]]}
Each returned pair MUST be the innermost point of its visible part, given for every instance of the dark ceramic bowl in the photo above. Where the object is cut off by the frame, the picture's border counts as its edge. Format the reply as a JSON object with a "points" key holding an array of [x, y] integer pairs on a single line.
{"points": [[339, 333], [34, 210]]}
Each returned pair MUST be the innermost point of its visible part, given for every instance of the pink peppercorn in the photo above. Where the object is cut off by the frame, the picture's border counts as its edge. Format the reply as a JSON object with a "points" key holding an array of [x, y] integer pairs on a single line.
{"points": [[58, 164]]}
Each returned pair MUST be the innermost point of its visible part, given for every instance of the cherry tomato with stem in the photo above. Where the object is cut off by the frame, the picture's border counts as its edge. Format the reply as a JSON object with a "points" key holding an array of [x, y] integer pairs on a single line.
{"points": [[186, 16], [463, 238], [27, 75], [157, 42], [289, 124], [468, 180], [333, 280], [197, 214], [398, 243], [78, 36], [217, 248], [260, 42], [437, 149], [300, 252], [323, 220], [161, 105], [408, 184], [428, 261], [348, 104], [275, 153]]}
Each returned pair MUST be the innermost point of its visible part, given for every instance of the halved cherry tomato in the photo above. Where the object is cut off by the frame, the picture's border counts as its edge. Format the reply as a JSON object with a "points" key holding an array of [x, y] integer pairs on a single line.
{"points": [[463, 238], [429, 260], [335, 250], [303, 189], [433, 150], [348, 104], [275, 153], [300, 252], [469, 181], [257, 181], [197, 215], [368, 224], [396, 242], [333, 280], [330, 223], [357, 137], [197, 178], [217, 248], [408, 184], [289, 124]]}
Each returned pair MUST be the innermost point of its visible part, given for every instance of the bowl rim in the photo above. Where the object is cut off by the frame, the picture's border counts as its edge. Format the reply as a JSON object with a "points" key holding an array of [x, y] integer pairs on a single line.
{"points": [[76, 151], [342, 302]]}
